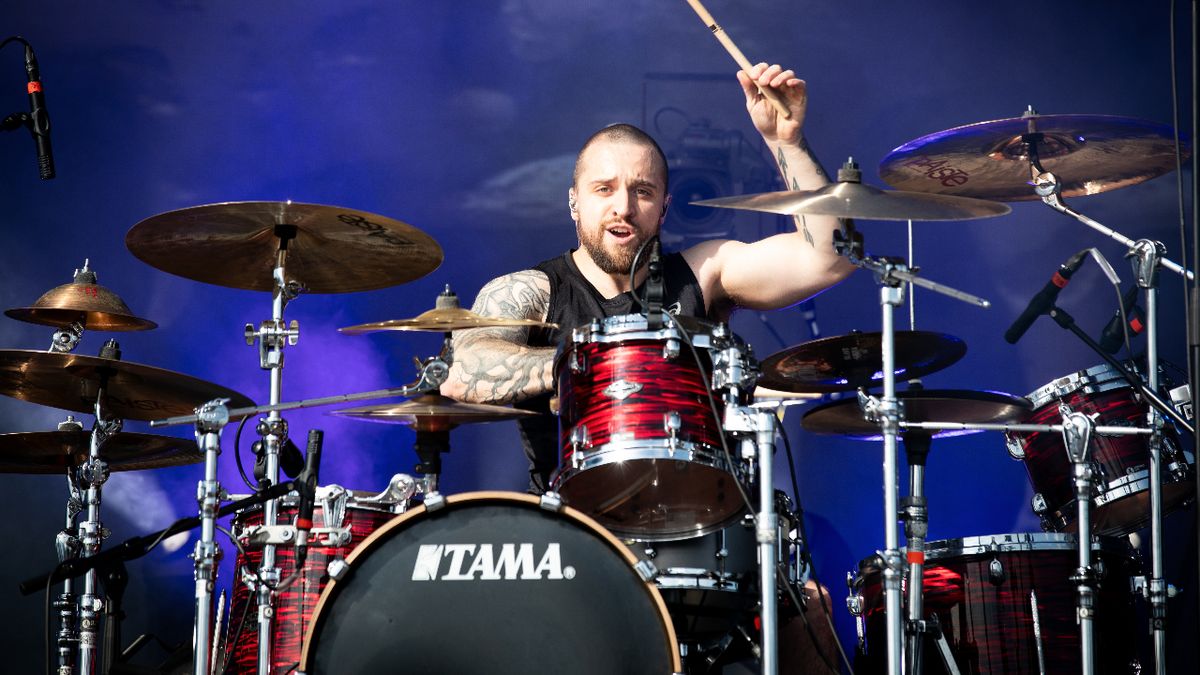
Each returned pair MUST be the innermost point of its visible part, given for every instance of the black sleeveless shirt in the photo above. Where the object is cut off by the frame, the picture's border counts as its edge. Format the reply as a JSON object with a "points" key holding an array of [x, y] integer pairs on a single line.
{"points": [[575, 302]]}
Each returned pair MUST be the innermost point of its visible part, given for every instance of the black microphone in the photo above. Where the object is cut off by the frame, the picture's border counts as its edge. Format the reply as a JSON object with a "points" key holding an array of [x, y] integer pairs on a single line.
{"points": [[308, 493], [654, 286], [39, 119], [1114, 335], [1044, 300]]}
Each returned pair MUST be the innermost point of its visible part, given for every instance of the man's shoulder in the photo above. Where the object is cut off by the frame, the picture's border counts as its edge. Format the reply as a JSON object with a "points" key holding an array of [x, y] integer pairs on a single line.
{"points": [[524, 294]]}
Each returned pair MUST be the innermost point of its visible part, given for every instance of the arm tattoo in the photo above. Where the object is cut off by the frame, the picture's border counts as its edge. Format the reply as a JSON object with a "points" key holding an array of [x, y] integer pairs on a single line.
{"points": [[496, 364]]}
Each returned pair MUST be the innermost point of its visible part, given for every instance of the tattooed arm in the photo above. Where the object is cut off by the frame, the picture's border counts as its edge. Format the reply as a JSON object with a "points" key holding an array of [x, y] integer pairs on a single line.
{"points": [[787, 268], [495, 365]]}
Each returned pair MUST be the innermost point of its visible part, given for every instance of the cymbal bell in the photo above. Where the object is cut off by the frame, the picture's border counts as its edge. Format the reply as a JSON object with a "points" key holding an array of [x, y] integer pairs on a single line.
{"points": [[990, 160], [956, 406], [846, 362], [434, 412], [329, 249], [132, 391], [850, 198], [84, 301], [50, 452]]}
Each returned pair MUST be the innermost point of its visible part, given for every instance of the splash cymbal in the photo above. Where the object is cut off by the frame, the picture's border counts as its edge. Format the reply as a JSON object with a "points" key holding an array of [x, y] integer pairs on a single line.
{"points": [[846, 362], [330, 249], [444, 317], [133, 391], [955, 406], [434, 412], [990, 160], [50, 452], [84, 301]]}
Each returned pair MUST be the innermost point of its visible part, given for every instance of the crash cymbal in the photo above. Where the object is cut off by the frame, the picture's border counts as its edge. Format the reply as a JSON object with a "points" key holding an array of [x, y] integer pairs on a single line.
{"points": [[83, 301], [434, 412], [134, 391], [445, 316], [849, 198], [330, 249], [956, 406], [846, 362], [56, 451], [990, 160]]}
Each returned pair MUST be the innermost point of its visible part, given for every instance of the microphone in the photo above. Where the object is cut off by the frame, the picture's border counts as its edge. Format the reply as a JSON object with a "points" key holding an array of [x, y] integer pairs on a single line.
{"points": [[654, 286], [1044, 300], [308, 494], [1114, 335], [39, 119]]}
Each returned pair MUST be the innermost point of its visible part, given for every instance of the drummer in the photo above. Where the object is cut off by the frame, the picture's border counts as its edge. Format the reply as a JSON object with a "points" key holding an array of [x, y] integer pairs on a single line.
{"points": [[618, 200]]}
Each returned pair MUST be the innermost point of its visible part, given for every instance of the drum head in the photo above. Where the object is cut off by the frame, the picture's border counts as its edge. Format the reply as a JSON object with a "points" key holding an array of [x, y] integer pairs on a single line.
{"points": [[491, 583]]}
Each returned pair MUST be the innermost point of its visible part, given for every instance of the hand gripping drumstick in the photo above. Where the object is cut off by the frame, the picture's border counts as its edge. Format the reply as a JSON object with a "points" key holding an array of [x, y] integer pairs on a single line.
{"points": [[737, 55]]}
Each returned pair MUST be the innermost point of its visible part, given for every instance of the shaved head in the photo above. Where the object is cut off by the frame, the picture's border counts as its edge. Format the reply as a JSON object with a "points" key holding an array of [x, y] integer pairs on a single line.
{"points": [[622, 133]]}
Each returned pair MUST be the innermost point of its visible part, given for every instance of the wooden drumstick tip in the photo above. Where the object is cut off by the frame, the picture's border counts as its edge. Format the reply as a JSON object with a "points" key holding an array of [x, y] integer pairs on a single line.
{"points": [[738, 57]]}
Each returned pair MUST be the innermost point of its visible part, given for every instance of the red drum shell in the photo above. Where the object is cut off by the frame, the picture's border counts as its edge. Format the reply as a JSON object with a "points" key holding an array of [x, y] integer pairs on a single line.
{"points": [[294, 605], [988, 618]]}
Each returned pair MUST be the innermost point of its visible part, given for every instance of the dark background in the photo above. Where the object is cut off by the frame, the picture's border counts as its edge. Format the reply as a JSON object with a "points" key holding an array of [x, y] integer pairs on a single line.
{"points": [[462, 118]]}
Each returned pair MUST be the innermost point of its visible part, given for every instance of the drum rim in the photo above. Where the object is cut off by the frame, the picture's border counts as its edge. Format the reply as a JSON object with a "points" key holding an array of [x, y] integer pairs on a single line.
{"points": [[1103, 376], [484, 496], [944, 549]]}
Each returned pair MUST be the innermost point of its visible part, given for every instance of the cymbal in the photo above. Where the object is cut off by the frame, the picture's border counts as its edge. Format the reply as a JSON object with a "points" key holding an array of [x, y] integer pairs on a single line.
{"points": [[85, 301], [990, 160], [434, 412], [845, 417], [851, 199], [48, 452], [846, 362], [444, 319], [331, 249], [134, 391]]}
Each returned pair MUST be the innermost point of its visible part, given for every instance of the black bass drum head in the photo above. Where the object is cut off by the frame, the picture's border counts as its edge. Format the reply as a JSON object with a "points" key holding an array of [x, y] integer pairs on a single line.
{"points": [[491, 583]]}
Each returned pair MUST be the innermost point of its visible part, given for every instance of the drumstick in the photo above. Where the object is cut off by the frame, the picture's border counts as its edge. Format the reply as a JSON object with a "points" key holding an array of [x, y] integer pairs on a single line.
{"points": [[723, 38]]}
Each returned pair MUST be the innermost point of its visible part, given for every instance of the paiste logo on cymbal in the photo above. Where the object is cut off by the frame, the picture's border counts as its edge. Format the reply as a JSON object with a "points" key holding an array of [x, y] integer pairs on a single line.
{"points": [[375, 230]]}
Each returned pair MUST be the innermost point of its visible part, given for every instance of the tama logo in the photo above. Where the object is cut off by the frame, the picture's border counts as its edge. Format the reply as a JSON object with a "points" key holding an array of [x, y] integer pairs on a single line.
{"points": [[468, 562]]}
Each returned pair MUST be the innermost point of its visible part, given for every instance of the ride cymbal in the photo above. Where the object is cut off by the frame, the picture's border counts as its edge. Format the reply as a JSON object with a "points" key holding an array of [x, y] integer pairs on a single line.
{"points": [[990, 160], [434, 412], [132, 391], [953, 406], [330, 249], [846, 362], [84, 301], [50, 452]]}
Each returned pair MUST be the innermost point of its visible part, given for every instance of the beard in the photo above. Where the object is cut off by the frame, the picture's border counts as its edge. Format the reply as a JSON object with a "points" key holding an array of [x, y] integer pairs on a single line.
{"points": [[616, 261]]}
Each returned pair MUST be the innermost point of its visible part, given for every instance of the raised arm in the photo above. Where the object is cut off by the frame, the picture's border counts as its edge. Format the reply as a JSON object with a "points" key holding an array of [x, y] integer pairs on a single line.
{"points": [[784, 269], [496, 365]]}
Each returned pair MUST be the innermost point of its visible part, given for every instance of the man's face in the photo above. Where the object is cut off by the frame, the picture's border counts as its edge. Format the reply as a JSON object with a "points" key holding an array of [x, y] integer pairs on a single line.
{"points": [[620, 202]]}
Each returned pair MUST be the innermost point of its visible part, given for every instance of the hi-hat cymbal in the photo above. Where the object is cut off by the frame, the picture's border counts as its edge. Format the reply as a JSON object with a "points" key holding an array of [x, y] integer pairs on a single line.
{"points": [[846, 362], [50, 452], [444, 319], [434, 412], [845, 417], [84, 301], [330, 249], [990, 160], [133, 391], [852, 199]]}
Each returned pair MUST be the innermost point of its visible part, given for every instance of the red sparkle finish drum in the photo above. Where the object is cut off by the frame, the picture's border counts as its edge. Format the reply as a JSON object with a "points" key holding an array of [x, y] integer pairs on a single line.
{"points": [[492, 583], [1121, 503], [641, 442], [1006, 604], [342, 520]]}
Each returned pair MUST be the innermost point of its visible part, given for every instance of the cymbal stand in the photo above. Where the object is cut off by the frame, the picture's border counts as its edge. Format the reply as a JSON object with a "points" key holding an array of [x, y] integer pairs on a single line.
{"points": [[272, 336], [68, 547], [1146, 256], [1077, 435], [66, 338], [92, 476], [892, 274], [212, 418]]}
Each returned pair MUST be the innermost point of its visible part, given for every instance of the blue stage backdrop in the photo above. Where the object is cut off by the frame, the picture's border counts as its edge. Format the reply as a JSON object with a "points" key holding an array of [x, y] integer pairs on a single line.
{"points": [[462, 119]]}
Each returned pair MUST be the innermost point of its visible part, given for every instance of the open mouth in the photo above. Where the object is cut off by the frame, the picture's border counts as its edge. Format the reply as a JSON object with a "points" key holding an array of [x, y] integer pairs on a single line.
{"points": [[621, 232]]}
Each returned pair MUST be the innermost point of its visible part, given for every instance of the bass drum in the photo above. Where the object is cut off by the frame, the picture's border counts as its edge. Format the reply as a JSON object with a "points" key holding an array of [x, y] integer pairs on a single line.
{"points": [[496, 583]]}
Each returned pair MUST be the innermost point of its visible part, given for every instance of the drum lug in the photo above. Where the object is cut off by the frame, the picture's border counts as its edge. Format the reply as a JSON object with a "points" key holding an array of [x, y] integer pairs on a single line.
{"points": [[580, 439], [1038, 503], [434, 501], [337, 568], [646, 570], [577, 362], [996, 573], [1016, 449], [551, 501], [672, 423], [333, 506], [671, 349]]}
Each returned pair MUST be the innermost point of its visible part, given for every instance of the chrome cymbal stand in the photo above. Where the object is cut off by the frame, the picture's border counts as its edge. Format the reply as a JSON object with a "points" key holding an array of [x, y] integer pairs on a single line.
{"points": [[67, 545], [272, 336], [1077, 436], [92, 475], [892, 274], [1147, 256], [211, 419]]}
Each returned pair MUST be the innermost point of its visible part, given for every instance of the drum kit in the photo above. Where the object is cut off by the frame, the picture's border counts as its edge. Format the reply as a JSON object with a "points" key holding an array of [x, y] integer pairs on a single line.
{"points": [[664, 540]]}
